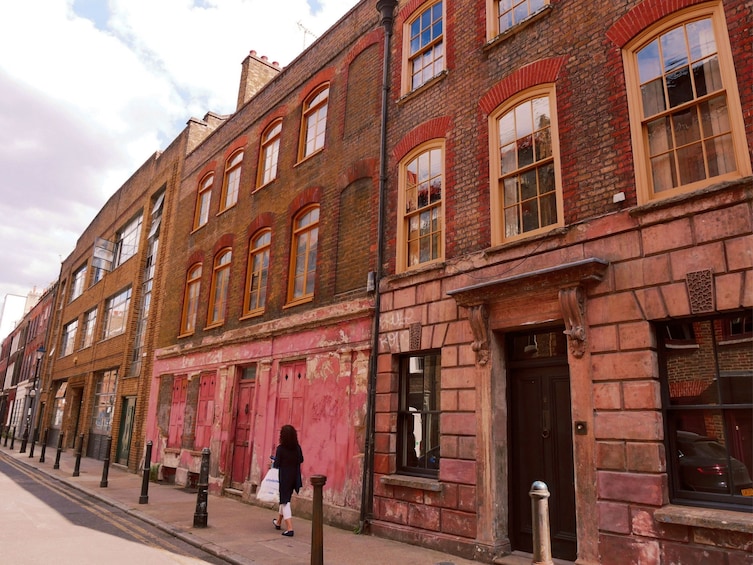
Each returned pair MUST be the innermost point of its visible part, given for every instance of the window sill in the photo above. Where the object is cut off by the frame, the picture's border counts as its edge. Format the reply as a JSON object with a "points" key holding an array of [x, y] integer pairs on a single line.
{"points": [[729, 520], [187, 334], [227, 209], [263, 185], [254, 314], [407, 481], [425, 86], [517, 28], [299, 301], [305, 158], [214, 325]]}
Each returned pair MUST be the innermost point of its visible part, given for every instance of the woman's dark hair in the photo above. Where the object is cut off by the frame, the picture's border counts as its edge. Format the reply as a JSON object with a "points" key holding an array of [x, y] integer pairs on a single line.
{"points": [[288, 436]]}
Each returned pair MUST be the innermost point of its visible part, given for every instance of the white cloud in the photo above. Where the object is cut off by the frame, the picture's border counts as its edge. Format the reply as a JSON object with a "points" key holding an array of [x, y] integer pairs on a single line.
{"points": [[83, 104]]}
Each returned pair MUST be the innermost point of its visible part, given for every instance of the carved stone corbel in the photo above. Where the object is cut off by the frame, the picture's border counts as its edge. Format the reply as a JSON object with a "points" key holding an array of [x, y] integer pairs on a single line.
{"points": [[572, 303], [478, 316]]}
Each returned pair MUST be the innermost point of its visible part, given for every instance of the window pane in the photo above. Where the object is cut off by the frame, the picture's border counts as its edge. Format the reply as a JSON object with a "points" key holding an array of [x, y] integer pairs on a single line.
{"points": [[701, 39], [663, 172], [653, 97], [690, 162], [659, 136], [674, 51], [649, 64], [707, 76], [679, 88], [686, 126], [720, 154], [714, 116]]}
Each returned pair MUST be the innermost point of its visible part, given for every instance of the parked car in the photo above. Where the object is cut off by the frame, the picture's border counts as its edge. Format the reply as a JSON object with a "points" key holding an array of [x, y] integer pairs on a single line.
{"points": [[703, 466]]}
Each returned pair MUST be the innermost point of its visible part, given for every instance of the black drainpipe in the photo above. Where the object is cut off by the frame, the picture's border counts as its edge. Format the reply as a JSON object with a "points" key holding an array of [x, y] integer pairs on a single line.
{"points": [[386, 9]]}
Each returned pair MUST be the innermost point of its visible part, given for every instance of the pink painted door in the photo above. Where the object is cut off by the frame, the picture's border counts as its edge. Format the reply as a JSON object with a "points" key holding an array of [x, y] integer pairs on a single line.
{"points": [[242, 437], [291, 380], [177, 411]]}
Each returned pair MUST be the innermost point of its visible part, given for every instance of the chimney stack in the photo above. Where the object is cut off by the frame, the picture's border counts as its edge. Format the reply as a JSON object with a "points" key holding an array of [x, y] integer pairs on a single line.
{"points": [[255, 73]]}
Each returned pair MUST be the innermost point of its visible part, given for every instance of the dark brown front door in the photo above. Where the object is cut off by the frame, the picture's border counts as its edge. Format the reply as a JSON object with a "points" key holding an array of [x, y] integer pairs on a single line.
{"points": [[541, 440]]}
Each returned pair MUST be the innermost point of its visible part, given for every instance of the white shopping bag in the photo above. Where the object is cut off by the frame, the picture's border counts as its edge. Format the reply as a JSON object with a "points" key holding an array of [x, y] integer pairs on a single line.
{"points": [[269, 490]]}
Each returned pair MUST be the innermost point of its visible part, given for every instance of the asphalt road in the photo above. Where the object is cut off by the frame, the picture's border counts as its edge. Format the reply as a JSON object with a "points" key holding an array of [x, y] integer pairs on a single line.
{"points": [[43, 521]]}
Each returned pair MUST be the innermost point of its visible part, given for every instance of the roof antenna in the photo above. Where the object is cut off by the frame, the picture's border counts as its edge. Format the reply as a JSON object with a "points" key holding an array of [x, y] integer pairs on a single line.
{"points": [[306, 32]]}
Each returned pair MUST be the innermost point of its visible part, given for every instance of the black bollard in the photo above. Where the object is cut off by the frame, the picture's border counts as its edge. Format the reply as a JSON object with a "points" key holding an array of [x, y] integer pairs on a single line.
{"points": [[77, 468], [202, 498], [7, 433], [13, 438], [144, 498], [106, 466], [33, 443], [59, 451], [44, 444], [317, 521]]}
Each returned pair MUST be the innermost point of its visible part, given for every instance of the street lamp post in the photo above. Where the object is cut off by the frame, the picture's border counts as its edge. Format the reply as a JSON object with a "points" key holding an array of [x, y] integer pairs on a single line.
{"points": [[33, 395]]}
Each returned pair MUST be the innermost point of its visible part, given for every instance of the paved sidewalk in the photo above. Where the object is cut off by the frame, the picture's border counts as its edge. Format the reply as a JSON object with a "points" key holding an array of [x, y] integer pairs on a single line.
{"points": [[238, 532]]}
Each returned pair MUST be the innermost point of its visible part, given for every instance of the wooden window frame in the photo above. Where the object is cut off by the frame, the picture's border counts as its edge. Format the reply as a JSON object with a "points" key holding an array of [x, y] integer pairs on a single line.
{"points": [[257, 277], [644, 183], [517, 19], [191, 295], [269, 153], [231, 180], [203, 201], [218, 292], [430, 47], [314, 117], [495, 173], [404, 215], [309, 275]]}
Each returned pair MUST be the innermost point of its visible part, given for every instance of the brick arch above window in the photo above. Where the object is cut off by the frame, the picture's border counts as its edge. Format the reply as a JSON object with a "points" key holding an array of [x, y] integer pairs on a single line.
{"points": [[225, 240], [263, 220], [375, 36], [537, 73], [433, 129], [642, 16], [309, 196], [239, 143], [210, 167], [195, 257], [316, 82], [365, 168]]}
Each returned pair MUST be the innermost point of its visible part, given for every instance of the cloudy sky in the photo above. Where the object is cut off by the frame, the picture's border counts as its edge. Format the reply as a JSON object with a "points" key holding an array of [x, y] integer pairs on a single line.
{"points": [[89, 89]]}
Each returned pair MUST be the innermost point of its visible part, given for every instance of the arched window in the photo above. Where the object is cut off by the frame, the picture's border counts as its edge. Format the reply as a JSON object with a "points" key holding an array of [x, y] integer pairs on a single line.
{"points": [[314, 122], [269, 154], [423, 57], [219, 289], [258, 268], [420, 230], [191, 300], [203, 199], [685, 116], [303, 255], [232, 180], [526, 195]]}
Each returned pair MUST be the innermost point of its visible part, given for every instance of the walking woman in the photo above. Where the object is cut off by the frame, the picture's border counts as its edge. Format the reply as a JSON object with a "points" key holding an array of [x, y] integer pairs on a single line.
{"points": [[288, 459]]}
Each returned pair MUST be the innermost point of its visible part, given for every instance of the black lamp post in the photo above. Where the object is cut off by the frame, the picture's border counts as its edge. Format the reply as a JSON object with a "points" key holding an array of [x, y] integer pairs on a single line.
{"points": [[33, 395]]}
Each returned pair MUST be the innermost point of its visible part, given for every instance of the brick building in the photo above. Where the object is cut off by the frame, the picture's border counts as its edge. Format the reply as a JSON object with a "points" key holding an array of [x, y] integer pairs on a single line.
{"points": [[269, 265], [101, 334], [22, 396], [569, 279]]}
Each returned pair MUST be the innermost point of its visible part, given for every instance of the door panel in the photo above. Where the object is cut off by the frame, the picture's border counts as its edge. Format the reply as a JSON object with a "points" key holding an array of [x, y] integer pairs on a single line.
{"points": [[292, 379], [242, 447], [542, 450]]}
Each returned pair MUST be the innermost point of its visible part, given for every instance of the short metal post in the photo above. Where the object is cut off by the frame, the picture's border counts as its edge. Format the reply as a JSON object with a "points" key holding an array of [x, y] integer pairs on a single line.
{"points": [[7, 433], [44, 444], [542, 547], [59, 451], [79, 449], [317, 521], [106, 466], [33, 443], [202, 497], [13, 438], [144, 498]]}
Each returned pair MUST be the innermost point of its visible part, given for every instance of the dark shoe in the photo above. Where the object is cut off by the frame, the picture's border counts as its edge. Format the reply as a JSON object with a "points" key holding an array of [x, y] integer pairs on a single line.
{"points": [[277, 526], [288, 533]]}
